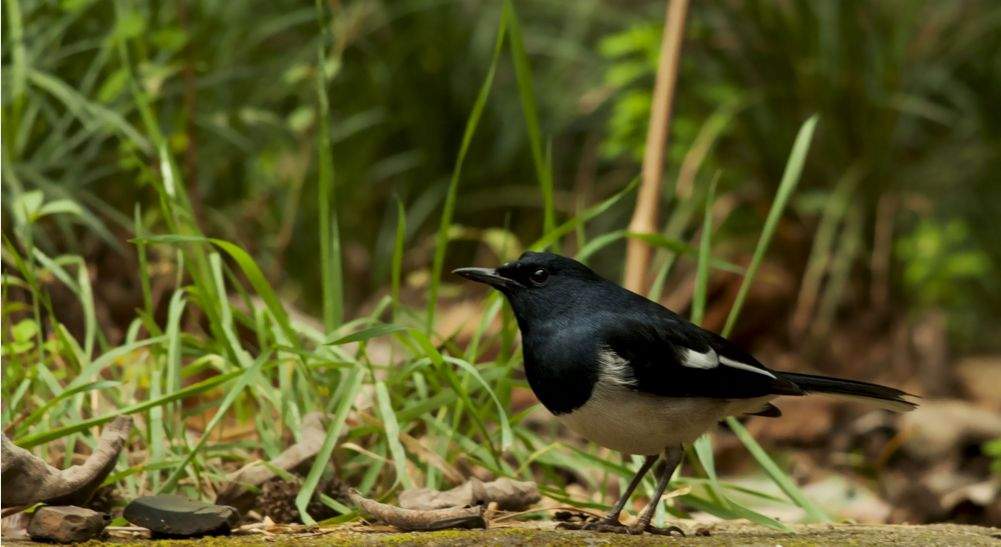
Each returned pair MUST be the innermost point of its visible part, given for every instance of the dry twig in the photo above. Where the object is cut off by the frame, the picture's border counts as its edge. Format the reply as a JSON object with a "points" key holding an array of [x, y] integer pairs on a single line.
{"points": [[509, 495], [28, 480], [412, 520]]}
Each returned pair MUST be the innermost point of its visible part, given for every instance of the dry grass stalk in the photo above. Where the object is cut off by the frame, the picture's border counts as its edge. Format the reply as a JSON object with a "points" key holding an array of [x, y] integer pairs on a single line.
{"points": [[647, 210]]}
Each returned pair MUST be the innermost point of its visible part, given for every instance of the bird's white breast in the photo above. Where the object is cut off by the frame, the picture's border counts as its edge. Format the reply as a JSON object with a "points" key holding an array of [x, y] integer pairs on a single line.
{"points": [[617, 416], [638, 423]]}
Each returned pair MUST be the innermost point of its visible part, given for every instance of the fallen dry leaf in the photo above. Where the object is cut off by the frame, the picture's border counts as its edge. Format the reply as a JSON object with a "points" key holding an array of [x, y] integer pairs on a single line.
{"points": [[412, 520], [509, 495]]}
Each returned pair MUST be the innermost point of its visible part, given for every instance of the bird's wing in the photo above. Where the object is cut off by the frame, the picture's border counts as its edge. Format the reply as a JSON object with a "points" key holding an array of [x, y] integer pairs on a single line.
{"points": [[669, 356]]}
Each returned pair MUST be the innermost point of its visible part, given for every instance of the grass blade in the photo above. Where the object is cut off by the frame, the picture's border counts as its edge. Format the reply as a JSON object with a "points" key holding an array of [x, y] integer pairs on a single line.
{"points": [[248, 374], [790, 178], [392, 431], [441, 240], [29, 441], [330, 246], [775, 472], [582, 218], [344, 406], [507, 438], [374, 331], [39, 412], [439, 362], [397, 263], [705, 250], [734, 511], [523, 76], [249, 268]]}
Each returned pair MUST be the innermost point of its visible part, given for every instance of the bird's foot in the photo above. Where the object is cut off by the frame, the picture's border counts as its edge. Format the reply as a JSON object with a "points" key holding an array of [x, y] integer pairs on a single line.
{"points": [[603, 525], [607, 526], [640, 527]]}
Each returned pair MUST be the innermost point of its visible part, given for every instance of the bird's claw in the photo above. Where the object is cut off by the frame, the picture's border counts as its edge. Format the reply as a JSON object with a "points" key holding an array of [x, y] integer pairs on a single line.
{"points": [[602, 525], [607, 526]]}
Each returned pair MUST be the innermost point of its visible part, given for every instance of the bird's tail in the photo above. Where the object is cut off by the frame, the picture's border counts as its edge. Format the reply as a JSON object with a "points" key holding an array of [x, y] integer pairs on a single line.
{"points": [[882, 396]]}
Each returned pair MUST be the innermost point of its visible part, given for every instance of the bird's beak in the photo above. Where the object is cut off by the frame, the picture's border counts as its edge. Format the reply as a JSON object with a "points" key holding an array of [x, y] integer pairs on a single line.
{"points": [[488, 276]]}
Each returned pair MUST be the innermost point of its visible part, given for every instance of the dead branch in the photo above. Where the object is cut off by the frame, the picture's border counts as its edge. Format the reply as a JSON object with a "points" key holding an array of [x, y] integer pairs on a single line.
{"points": [[411, 520], [510, 495], [28, 480]]}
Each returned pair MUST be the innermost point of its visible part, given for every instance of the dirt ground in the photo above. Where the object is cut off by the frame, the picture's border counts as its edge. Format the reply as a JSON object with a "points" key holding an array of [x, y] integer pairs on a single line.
{"points": [[544, 534]]}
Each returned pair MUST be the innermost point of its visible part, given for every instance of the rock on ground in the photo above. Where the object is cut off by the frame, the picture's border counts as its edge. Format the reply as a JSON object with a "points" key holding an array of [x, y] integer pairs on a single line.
{"points": [[177, 516], [66, 524]]}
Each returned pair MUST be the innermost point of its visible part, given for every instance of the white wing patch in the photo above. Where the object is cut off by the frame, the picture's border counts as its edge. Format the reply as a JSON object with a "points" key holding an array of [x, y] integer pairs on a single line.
{"points": [[744, 366], [694, 359], [614, 370]]}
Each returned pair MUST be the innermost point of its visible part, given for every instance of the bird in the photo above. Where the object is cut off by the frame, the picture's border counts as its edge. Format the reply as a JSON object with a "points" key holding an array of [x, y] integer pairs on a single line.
{"points": [[631, 375]]}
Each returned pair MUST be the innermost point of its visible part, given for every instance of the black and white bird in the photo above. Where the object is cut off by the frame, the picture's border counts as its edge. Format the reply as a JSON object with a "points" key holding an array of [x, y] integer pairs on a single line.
{"points": [[631, 375]]}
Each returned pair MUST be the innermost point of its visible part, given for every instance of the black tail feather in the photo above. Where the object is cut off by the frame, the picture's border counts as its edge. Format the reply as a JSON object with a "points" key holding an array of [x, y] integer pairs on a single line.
{"points": [[888, 397]]}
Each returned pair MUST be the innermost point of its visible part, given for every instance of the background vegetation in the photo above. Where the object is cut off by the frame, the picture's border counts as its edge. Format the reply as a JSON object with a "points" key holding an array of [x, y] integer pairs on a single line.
{"points": [[333, 150]]}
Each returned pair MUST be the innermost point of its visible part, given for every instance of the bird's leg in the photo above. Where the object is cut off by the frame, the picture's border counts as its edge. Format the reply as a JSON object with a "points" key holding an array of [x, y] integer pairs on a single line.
{"points": [[672, 457], [610, 522]]}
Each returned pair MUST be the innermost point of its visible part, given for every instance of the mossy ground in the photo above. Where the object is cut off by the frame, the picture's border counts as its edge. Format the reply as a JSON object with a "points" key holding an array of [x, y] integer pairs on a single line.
{"points": [[721, 534]]}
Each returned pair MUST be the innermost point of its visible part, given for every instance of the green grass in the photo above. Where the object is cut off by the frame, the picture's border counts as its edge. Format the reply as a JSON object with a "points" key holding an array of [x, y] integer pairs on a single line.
{"points": [[229, 352], [329, 228]]}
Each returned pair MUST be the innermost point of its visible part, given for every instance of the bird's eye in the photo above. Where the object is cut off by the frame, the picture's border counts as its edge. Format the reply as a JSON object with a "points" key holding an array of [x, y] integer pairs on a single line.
{"points": [[539, 277]]}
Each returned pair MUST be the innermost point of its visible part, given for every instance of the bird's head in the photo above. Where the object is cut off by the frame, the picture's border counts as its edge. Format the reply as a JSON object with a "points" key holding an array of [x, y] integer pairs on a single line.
{"points": [[540, 285]]}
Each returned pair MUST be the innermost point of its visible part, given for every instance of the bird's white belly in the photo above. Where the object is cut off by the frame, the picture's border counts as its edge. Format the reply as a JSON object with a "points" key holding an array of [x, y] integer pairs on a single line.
{"points": [[622, 419]]}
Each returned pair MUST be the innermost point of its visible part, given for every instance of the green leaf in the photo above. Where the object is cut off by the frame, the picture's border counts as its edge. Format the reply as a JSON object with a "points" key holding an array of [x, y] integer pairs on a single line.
{"points": [[26, 205], [97, 365], [25, 330], [88, 112], [59, 206], [439, 361]]}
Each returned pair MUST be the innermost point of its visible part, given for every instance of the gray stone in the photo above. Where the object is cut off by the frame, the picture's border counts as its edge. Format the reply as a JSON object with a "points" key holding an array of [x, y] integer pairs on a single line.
{"points": [[66, 524], [177, 516]]}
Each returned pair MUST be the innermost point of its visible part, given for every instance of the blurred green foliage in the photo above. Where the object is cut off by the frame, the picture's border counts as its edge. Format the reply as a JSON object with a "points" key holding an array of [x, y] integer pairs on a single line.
{"points": [[906, 92], [938, 261], [993, 449], [140, 138]]}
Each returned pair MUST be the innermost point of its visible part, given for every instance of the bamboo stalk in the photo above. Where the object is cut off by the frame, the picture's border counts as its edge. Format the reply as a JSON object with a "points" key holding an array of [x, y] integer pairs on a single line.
{"points": [[646, 213]]}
